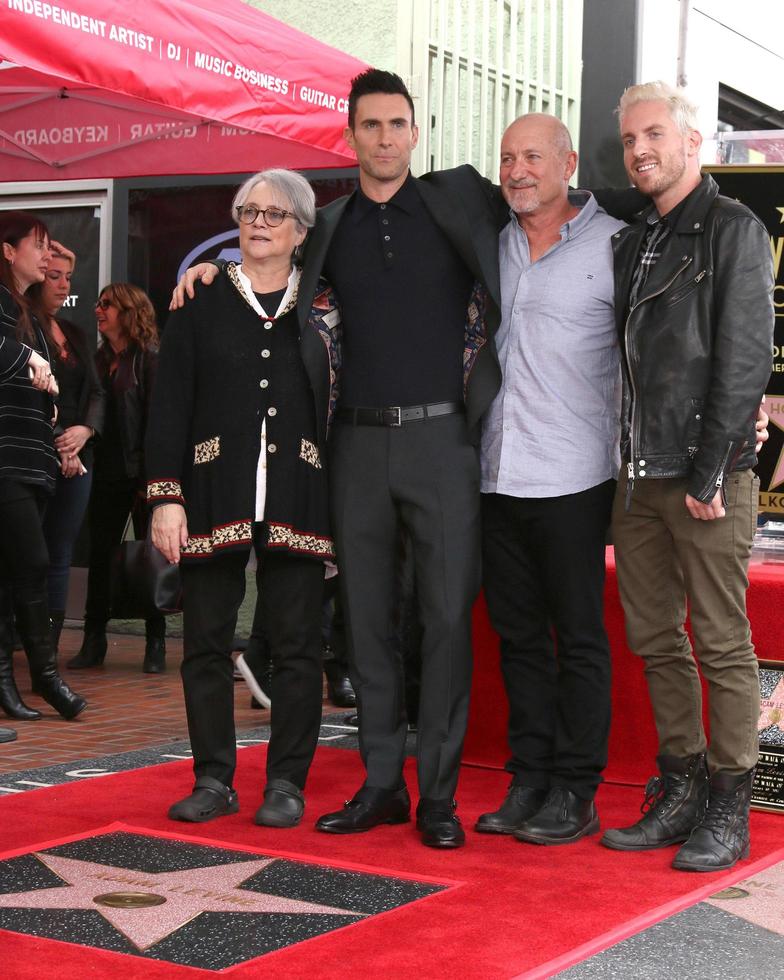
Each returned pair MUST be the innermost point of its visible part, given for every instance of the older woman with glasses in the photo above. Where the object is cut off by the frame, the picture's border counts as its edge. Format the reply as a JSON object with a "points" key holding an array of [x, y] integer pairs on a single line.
{"points": [[126, 362], [235, 450]]}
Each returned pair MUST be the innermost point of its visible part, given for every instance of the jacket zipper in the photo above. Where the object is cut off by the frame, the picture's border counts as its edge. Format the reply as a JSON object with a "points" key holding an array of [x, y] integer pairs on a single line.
{"points": [[627, 343]]}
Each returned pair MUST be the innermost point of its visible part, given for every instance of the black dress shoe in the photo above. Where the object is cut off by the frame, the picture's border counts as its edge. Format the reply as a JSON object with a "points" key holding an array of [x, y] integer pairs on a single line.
{"points": [[521, 803], [438, 825], [341, 693], [283, 805], [7, 735], [369, 808], [563, 818]]}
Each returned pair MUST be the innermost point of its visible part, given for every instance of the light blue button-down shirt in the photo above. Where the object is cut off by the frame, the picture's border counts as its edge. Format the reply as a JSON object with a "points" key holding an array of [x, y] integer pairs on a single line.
{"points": [[553, 428]]}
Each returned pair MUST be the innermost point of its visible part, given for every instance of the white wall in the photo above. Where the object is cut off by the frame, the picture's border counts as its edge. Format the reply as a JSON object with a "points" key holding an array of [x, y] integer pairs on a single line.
{"points": [[367, 30]]}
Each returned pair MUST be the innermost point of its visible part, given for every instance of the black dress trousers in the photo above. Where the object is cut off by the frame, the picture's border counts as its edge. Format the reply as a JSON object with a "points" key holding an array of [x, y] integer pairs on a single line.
{"points": [[543, 571], [423, 477], [290, 593]]}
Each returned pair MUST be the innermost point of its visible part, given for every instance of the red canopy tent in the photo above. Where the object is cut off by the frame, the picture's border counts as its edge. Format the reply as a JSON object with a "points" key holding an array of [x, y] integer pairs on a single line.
{"points": [[105, 88]]}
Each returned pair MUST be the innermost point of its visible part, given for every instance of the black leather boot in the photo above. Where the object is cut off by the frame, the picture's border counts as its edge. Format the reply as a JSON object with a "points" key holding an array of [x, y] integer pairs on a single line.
{"points": [[521, 803], [674, 804], [10, 699], [93, 649], [563, 818], [721, 838], [154, 655], [32, 620], [57, 616]]}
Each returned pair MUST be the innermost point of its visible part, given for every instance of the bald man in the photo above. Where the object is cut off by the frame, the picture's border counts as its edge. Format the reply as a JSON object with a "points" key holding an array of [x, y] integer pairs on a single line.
{"points": [[549, 457]]}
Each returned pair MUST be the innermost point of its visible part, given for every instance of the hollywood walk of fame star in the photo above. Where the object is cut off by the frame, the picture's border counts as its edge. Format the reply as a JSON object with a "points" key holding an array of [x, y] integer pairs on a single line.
{"points": [[772, 708], [763, 904], [187, 893]]}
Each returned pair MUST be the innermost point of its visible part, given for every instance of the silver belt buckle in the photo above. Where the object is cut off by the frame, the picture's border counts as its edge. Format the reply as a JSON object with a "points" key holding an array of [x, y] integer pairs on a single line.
{"points": [[399, 421]]}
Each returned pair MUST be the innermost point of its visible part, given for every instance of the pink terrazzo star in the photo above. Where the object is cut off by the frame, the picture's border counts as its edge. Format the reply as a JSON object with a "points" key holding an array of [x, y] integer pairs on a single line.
{"points": [[765, 901], [187, 893], [772, 708]]}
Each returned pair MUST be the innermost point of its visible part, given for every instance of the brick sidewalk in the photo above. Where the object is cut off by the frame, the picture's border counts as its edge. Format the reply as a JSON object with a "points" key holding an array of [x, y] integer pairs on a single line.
{"points": [[127, 709]]}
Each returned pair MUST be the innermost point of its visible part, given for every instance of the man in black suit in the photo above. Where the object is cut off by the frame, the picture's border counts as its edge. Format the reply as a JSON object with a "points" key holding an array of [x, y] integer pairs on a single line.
{"points": [[415, 264]]}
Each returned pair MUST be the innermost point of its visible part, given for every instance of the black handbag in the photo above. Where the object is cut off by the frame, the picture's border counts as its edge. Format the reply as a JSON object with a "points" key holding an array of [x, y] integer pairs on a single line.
{"points": [[142, 582]]}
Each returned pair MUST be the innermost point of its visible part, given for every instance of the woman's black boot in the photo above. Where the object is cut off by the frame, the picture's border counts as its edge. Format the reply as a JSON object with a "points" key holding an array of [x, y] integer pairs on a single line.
{"points": [[32, 618], [10, 700], [154, 645], [93, 649], [57, 617]]}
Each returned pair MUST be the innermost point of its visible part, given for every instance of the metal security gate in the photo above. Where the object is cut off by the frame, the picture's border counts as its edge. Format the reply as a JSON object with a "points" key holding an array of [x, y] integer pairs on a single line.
{"points": [[475, 65]]}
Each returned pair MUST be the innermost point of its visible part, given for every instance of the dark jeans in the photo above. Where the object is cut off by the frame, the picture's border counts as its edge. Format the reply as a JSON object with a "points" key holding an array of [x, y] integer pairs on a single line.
{"points": [[110, 504], [23, 555], [543, 561], [62, 523], [290, 596]]}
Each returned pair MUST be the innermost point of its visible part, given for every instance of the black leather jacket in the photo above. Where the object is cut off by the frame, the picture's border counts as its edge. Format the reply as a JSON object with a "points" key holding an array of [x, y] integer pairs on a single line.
{"points": [[130, 387], [697, 346]]}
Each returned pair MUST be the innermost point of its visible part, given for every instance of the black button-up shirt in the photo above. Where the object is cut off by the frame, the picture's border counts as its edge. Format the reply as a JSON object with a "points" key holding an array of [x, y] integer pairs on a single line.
{"points": [[404, 293]]}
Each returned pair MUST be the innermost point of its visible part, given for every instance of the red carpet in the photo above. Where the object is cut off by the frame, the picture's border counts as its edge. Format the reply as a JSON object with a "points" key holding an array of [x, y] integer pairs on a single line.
{"points": [[518, 911]]}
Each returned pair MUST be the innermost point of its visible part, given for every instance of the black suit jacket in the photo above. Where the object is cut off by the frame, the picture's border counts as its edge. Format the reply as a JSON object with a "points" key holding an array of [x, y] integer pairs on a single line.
{"points": [[471, 212]]}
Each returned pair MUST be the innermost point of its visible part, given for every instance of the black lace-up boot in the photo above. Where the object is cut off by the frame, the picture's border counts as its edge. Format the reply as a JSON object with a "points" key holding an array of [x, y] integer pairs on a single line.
{"points": [[674, 804], [721, 838]]}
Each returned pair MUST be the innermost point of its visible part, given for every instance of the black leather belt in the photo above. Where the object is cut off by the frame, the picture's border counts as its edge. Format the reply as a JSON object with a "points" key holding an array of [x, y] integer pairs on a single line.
{"points": [[397, 414]]}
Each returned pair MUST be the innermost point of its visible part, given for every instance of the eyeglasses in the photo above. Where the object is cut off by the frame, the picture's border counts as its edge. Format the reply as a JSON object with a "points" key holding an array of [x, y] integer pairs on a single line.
{"points": [[104, 304], [247, 214]]}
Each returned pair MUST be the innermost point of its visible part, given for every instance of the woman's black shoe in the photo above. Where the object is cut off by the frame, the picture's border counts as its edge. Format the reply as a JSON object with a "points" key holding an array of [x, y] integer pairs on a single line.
{"points": [[92, 652], [154, 655]]}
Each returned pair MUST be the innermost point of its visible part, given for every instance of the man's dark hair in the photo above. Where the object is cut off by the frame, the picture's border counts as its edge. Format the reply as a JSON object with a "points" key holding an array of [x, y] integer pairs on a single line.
{"points": [[373, 81]]}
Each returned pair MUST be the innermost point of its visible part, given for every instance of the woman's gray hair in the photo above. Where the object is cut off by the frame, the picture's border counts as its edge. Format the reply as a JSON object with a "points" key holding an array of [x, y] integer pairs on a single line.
{"points": [[679, 106], [294, 191]]}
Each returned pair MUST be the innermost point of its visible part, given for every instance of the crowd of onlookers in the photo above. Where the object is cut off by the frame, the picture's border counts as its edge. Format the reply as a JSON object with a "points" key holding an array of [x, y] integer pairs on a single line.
{"points": [[72, 426]]}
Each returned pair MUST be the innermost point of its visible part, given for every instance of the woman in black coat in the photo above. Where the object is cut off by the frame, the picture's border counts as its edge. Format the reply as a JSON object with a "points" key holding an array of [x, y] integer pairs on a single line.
{"points": [[80, 419], [28, 468], [126, 363], [236, 460]]}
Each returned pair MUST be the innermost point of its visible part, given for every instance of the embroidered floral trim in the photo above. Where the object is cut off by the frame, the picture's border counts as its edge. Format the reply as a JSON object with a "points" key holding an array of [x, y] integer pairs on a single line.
{"points": [[207, 451], [283, 536], [221, 537], [164, 488], [309, 452]]}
